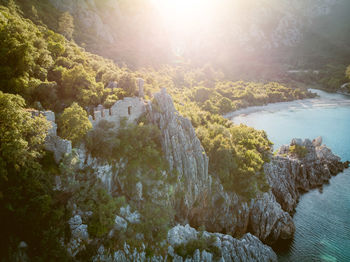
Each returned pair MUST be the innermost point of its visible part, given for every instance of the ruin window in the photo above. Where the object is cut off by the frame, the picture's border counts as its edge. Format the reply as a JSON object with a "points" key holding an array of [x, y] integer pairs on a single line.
{"points": [[129, 110]]}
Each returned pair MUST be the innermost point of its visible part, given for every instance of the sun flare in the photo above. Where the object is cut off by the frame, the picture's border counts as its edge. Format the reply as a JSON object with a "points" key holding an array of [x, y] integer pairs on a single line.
{"points": [[183, 12], [184, 19]]}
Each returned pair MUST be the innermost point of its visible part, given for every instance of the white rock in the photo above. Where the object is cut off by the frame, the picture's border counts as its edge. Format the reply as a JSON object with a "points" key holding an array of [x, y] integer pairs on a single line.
{"points": [[317, 141], [181, 235], [120, 223]]}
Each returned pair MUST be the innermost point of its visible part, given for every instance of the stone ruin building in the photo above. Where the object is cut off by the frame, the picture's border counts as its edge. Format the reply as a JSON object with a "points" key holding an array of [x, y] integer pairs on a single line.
{"points": [[130, 108]]}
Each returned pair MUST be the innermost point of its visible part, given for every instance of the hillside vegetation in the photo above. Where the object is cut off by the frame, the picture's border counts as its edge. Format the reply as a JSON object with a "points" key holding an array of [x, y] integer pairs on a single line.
{"points": [[44, 70]]}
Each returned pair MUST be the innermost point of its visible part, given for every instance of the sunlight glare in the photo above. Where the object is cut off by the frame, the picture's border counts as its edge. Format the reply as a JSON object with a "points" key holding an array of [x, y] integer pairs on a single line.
{"points": [[185, 18], [182, 12]]}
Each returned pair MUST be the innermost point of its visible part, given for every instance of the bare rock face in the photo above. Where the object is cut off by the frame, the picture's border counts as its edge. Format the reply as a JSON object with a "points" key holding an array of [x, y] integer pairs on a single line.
{"points": [[223, 212], [248, 248], [269, 221], [289, 175], [79, 237], [207, 203], [181, 147], [181, 235], [227, 248]]}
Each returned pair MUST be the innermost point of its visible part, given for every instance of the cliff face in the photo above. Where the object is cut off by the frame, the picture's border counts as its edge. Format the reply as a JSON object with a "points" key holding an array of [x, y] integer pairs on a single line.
{"points": [[201, 199], [182, 149], [206, 203], [289, 176]]}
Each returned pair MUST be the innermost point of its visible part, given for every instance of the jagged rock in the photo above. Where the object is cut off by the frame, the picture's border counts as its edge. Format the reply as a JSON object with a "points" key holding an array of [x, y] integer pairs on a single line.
{"points": [[75, 246], [289, 176], [120, 223], [181, 235], [139, 190], [58, 184], [79, 235], [224, 212], [269, 221], [317, 141], [131, 217], [181, 147], [75, 221], [296, 141], [284, 149], [248, 248]]}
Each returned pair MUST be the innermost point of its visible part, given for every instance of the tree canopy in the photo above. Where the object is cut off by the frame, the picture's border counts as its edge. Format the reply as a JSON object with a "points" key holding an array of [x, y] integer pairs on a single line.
{"points": [[74, 123], [28, 210]]}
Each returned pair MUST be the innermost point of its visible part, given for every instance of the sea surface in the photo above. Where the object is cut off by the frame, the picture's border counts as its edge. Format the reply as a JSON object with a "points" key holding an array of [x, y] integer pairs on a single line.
{"points": [[322, 217]]}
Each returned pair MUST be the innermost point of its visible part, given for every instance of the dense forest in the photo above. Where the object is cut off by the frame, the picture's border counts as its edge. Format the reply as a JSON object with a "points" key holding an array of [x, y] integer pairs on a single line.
{"points": [[45, 66]]}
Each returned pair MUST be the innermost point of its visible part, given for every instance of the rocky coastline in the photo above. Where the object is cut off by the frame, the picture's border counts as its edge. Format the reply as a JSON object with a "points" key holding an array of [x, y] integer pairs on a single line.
{"points": [[235, 229]]}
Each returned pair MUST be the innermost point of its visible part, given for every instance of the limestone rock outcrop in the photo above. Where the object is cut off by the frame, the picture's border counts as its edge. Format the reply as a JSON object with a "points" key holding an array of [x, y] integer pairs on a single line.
{"points": [[268, 220], [222, 212], [203, 200], [227, 249], [181, 147], [248, 248], [79, 237], [289, 175]]}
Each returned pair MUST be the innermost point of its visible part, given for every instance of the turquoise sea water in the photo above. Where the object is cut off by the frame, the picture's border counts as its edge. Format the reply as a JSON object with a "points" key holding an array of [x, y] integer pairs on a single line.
{"points": [[322, 217]]}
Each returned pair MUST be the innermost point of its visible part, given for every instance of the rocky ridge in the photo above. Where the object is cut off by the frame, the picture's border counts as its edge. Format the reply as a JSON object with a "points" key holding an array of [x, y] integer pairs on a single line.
{"points": [[181, 147]]}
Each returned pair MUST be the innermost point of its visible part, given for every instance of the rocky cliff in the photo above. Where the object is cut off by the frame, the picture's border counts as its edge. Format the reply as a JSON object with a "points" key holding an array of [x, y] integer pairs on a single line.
{"points": [[202, 200], [227, 248], [182, 149], [289, 175], [207, 203]]}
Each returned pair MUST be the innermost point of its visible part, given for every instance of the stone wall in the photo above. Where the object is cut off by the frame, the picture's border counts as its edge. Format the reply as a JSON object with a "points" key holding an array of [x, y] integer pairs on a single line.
{"points": [[130, 108], [54, 143]]}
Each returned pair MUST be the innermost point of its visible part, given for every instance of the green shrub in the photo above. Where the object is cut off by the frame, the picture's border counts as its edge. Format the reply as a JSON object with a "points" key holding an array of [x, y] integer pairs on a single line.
{"points": [[104, 209], [298, 151], [73, 124], [201, 243]]}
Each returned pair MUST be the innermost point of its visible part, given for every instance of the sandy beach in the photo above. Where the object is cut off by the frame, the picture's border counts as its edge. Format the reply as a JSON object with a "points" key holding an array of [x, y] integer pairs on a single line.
{"points": [[323, 99]]}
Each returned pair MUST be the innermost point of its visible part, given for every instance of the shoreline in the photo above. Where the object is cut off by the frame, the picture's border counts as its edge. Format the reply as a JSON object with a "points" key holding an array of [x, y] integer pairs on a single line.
{"points": [[324, 99]]}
